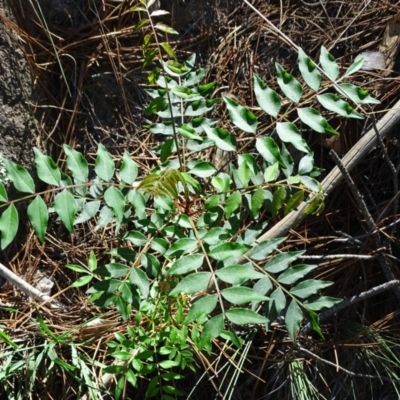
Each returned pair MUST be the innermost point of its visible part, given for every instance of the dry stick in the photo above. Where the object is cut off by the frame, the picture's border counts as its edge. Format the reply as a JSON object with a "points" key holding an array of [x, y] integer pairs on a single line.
{"points": [[392, 170], [325, 315], [25, 287], [351, 373], [350, 160], [371, 225]]}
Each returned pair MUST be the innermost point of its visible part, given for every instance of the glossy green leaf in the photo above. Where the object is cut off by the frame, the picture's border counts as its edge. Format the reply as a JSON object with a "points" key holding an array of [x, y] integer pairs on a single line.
{"points": [[123, 309], [257, 201], [288, 84], [3, 193], [203, 307], [238, 274], [309, 287], [288, 133], [186, 264], [38, 216], [294, 201], [328, 64], [141, 281], [104, 164], [276, 303], [82, 281], [129, 169], [221, 138], [309, 71], [243, 316], [314, 321], [221, 182], [241, 295], [20, 177], [8, 225], [114, 198], [293, 318], [213, 328], [185, 93], [357, 65], [136, 238], [199, 107], [112, 270], [64, 204], [88, 211], [192, 283], [181, 247], [46, 168], [123, 253], [202, 169], [269, 150], [189, 133], [322, 302], [229, 250], [92, 261], [357, 94], [311, 117], [263, 286], [333, 102], [216, 235], [77, 268], [166, 29], [264, 249], [207, 89], [233, 202], [194, 77], [306, 164], [267, 98], [166, 46], [281, 261], [311, 183], [271, 174], [241, 116]]}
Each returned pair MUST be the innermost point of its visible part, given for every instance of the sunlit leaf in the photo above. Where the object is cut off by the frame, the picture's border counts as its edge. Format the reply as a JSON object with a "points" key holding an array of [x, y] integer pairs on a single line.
{"points": [[267, 98], [38, 216], [288, 84], [46, 168], [241, 116], [8, 225], [192, 283], [64, 204], [243, 316]]}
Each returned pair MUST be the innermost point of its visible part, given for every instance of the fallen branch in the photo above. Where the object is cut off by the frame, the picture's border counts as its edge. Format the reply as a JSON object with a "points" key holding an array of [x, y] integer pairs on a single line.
{"points": [[25, 287]]}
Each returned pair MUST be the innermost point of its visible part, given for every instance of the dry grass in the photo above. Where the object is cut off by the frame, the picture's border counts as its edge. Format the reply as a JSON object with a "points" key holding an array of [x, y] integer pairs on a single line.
{"points": [[92, 92]]}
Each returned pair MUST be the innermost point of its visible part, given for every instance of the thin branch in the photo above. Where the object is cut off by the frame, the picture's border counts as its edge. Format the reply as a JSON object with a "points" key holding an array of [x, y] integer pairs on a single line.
{"points": [[25, 287], [325, 315]]}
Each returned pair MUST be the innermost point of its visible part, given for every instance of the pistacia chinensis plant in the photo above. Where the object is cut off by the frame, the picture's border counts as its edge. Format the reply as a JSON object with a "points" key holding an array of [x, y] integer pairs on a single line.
{"points": [[190, 267]]}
